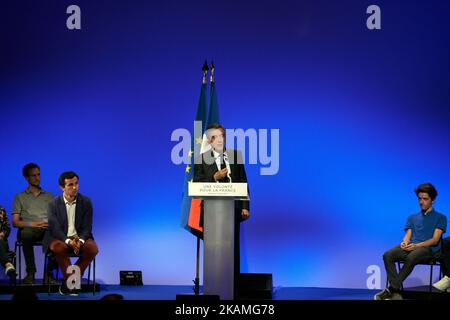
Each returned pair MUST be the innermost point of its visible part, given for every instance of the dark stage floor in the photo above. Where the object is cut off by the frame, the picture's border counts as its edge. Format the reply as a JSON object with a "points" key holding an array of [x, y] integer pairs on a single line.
{"points": [[169, 292]]}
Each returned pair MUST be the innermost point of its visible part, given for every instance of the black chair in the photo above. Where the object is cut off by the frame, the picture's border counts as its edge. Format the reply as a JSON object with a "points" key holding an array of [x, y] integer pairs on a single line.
{"points": [[72, 255], [432, 262]]}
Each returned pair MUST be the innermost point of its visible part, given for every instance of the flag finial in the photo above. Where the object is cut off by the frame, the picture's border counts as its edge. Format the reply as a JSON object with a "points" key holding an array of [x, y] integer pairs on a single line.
{"points": [[205, 71], [212, 72]]}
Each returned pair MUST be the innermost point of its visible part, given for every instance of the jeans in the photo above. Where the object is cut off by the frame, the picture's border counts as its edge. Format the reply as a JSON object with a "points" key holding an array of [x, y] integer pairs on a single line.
{"points": [[411, 258]]}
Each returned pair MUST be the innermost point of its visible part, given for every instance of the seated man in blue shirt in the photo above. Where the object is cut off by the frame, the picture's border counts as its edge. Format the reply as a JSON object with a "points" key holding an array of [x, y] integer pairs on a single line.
{"points": [[422, 240]]}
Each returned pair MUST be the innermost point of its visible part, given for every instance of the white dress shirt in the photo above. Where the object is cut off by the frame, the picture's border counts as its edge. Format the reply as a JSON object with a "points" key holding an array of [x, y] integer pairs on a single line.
{"points": [[70, 208], [218, 162]]}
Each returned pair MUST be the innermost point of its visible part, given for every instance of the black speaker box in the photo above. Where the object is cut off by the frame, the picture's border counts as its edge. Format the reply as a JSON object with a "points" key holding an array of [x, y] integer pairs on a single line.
{"points": [[131, 278], [255, 286]]}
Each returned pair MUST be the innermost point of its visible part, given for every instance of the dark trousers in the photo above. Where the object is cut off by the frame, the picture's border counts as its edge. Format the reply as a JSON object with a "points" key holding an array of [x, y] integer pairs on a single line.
{"points": [[446, 256], [411, 259], [62, 253], [4, 249], [29, 236]]}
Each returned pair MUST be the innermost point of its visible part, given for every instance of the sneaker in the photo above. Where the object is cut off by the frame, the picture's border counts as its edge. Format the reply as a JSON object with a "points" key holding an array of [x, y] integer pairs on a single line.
{"points": [[29, 279], [395, 296], [443, 284], [49, 279], [10, 271], [73, 292], [383, 295], [63, 290]]}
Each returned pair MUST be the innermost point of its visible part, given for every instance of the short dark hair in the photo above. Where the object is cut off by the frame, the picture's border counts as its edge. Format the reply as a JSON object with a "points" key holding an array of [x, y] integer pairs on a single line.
{"points": [[427, 188], [66, 175], [215, 126], [26, 169]]}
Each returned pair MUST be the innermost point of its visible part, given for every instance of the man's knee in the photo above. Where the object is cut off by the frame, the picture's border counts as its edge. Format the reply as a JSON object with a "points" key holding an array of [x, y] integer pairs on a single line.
{"points": [[388, 255], [446, 244], [26, 235], [58, 247], [3, 245], [91, 249], [414, 258], [29, 235]]}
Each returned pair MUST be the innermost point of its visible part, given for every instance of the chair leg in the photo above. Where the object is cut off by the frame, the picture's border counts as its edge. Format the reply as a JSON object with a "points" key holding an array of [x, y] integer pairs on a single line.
{"points": [[18, 252], [45, 267], [93, 291], [44, 272], [431, 277], [46, 259], [89, 275], [15, 253]]}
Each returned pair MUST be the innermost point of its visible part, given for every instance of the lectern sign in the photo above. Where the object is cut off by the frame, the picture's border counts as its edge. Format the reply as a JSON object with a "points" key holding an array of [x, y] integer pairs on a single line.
{"points": [[211, 189]]}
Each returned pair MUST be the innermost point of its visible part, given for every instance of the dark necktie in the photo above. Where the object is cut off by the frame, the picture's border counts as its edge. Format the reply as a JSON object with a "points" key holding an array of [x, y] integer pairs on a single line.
{"points": [[222, 162], [223, 166]]}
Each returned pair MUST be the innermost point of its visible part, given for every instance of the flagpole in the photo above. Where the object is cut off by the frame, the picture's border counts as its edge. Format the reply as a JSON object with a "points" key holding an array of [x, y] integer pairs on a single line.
{"points": [[197, 270], [197, 260]]}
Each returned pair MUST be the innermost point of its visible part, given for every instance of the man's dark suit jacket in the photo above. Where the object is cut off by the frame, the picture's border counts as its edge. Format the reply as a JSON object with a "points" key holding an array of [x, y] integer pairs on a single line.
{"points": [[204, 172], [58, 224]]}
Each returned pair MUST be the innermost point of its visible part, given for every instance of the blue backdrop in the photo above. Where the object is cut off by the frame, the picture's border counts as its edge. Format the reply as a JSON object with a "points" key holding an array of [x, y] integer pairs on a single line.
{"points": [[363, 118]]}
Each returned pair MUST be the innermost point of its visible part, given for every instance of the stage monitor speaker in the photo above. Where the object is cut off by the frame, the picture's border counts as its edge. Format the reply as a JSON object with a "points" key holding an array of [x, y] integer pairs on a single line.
{"points": [[255, 286], [131, 278]]}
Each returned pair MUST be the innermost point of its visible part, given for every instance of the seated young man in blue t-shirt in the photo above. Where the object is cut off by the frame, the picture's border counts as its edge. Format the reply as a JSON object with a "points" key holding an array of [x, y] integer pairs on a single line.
{"points": [[421, 241]]}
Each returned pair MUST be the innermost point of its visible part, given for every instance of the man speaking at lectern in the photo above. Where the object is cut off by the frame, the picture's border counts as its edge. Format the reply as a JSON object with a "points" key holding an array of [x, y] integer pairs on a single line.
{"points": [[224, 165]]}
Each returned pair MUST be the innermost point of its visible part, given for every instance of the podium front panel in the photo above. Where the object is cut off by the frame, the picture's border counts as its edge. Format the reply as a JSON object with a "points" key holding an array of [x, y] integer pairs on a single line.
{"points": [[218, 248]]}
